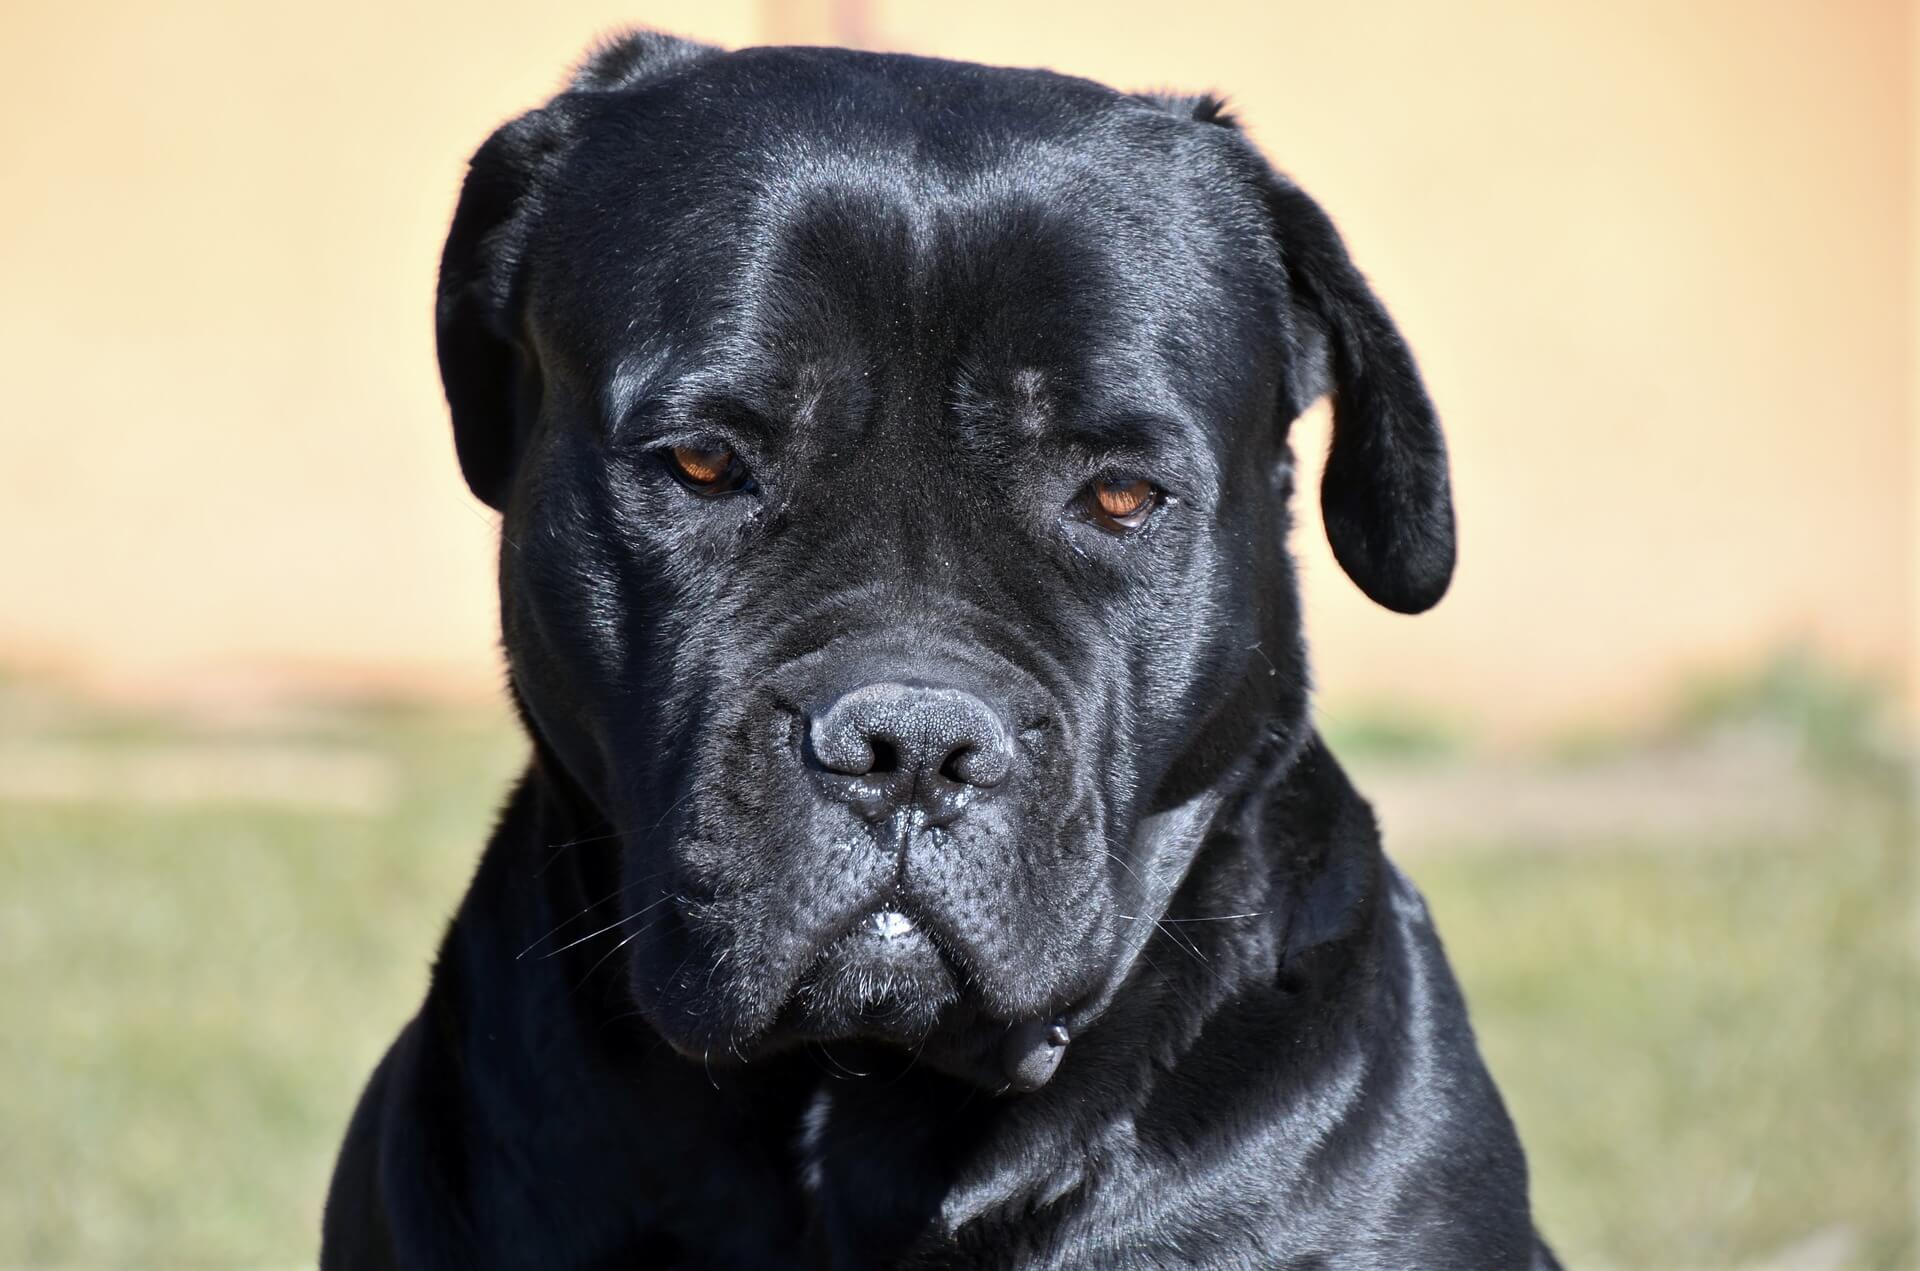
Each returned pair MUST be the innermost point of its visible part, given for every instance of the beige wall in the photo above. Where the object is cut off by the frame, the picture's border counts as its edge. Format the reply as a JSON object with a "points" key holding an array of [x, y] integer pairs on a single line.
{"points": [[1656, 259]]}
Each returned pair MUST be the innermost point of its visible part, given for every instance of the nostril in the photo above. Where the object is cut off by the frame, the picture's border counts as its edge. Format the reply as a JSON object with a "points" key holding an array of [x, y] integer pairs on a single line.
{"points": [[847, 752], [956, 766], [969, 765], [978, 765]]}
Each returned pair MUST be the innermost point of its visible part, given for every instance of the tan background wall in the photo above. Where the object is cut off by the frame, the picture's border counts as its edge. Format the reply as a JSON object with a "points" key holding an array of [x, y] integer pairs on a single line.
{"points": [[1655, 257]]}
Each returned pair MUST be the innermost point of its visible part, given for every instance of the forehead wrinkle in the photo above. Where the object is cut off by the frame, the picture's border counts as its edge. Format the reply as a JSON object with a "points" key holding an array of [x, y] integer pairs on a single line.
{"points": [[971, 223], [932, 195], [636, 375], [1098, 175], [796, 296]]}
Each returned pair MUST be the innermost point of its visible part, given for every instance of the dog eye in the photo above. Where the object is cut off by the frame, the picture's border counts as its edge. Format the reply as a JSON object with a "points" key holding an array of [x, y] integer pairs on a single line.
{"points": [[707, 470], [1120, 505]]}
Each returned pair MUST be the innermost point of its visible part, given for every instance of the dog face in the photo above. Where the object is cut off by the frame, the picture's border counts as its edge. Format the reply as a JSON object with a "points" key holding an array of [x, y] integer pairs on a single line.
{"points": [[892, 456]]}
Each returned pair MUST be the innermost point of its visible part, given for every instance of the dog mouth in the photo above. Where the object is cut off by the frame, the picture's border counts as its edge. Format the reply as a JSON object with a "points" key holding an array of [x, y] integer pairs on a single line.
{"points": [[890, 987], [960, 956], [886, 978]]}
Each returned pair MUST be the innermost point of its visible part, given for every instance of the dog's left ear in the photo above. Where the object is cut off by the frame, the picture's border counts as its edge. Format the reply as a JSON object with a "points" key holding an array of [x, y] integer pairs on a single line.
{"points": [[1384, 495]]}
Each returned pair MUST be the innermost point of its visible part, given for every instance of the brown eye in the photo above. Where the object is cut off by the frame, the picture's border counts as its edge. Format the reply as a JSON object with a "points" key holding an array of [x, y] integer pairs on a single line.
{"points": [[1121, 505], [707, 469]]}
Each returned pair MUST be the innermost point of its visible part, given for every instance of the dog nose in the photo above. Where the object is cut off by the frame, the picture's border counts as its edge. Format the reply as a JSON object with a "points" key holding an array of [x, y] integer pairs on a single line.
{"points": [[885, 746]]}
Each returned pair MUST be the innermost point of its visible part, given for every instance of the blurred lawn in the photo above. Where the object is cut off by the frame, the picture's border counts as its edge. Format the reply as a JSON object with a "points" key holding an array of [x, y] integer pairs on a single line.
{"points": [[210, 930], [1708, 1046]]}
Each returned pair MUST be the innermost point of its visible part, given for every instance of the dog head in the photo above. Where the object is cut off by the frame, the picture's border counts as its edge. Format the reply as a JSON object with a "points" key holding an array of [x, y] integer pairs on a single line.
{"points": [[893, 464]]}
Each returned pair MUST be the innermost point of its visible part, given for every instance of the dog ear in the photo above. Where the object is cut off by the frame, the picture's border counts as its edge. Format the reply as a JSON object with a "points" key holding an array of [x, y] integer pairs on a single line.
{"points": [[1384, 495], [484, 364], [481, 361]]}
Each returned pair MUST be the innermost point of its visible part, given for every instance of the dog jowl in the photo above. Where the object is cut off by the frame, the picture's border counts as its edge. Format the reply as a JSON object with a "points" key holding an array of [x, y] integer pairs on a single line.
{"points": [[926, 858]]}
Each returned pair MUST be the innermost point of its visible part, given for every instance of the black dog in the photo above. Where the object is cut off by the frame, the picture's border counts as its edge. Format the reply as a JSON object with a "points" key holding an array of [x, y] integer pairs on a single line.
{"points": [[926, 858]]}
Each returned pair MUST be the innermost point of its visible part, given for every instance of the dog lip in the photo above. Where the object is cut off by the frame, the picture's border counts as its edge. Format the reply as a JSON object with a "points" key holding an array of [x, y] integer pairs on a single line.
{"points": [[882, 978], [887, 933]]}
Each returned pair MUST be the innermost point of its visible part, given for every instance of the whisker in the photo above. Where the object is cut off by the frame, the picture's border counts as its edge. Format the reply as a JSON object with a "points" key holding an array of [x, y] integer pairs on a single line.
{"points": [[844, 1073], [610, 952], [613, 895], [1119, 860], [1184, 946], [1261, 913], [557, 850], [618, 922], [717, 964]]}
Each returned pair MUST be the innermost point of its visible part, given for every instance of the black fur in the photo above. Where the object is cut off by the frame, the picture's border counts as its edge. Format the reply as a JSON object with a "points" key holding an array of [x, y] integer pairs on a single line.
{"points": [[900, 780]]}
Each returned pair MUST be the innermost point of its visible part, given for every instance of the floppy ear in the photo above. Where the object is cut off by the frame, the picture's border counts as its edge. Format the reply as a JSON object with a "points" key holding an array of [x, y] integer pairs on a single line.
{"points": [[1384, 495], [484, 365], [481, 362]]}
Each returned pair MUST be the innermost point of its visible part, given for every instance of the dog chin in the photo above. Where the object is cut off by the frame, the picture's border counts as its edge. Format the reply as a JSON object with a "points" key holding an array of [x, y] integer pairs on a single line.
{"points": [[884, 980]]}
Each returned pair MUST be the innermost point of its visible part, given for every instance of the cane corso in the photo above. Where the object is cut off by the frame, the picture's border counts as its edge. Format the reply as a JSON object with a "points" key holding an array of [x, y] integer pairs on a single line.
{"points": [[926, 858]]}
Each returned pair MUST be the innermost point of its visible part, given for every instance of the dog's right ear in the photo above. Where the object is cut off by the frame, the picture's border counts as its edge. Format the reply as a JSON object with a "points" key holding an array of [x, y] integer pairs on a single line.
{"points": [[484, 362]]}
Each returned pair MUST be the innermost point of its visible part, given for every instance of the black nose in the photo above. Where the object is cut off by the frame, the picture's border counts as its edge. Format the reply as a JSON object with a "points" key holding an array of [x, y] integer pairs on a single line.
{"points": [[885, 746]]}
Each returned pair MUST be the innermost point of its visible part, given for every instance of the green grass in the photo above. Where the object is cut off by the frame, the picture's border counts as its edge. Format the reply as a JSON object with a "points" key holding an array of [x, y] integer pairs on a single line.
{"points": [[1708, 1046], [193, 994], [1389, 733]]}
